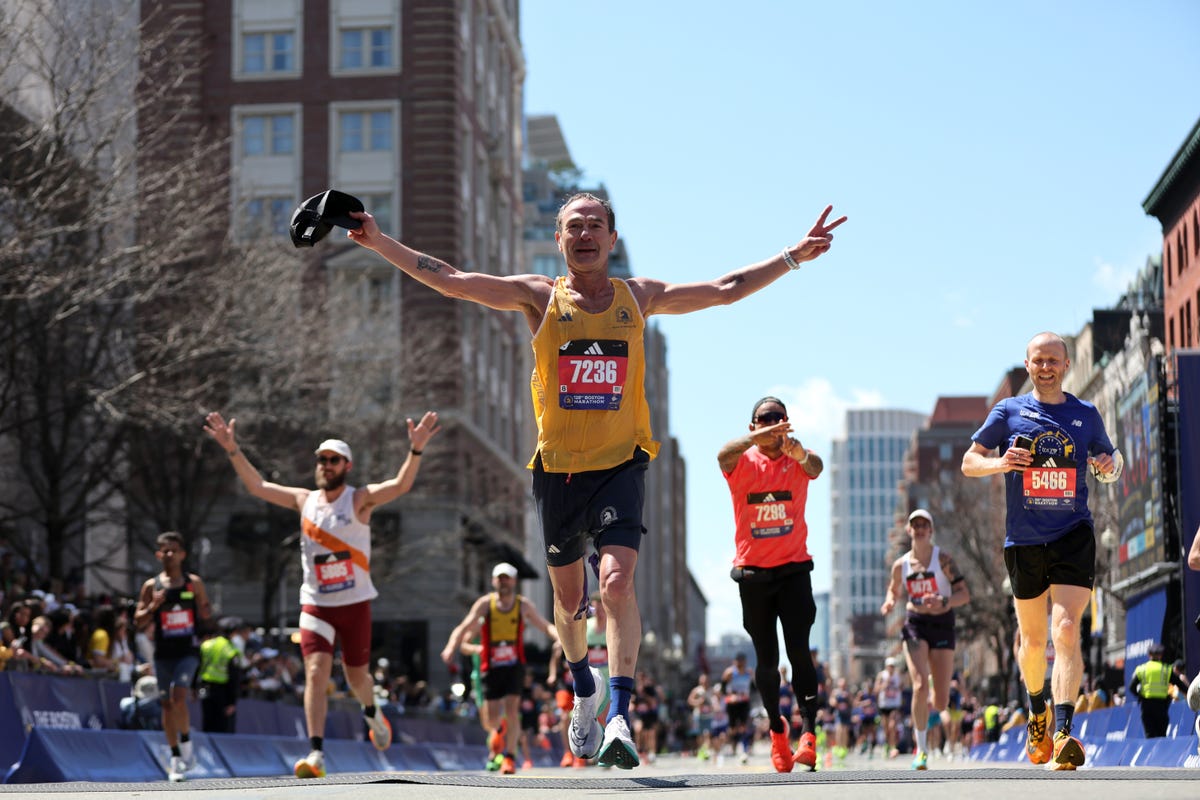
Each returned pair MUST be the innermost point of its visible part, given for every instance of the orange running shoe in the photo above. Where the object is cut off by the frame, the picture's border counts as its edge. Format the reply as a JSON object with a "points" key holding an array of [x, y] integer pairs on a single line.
{"points": [[567, 759], [781, 749], [1038, 744], [1068, 751], [508, 766], [578, 762], [806, 753], [496, 741]]}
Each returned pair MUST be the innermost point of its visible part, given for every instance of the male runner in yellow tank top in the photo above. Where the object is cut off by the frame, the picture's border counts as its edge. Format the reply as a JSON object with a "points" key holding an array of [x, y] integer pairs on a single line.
{"points": [[594, 439]]}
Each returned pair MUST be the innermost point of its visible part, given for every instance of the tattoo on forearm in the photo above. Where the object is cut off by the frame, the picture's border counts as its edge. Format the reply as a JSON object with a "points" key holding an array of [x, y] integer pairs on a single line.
{"points": [[428, 264]]}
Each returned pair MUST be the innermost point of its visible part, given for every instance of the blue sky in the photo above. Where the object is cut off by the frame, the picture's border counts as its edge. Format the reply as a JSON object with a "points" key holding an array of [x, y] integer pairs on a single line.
{"points": [[992, 158]]}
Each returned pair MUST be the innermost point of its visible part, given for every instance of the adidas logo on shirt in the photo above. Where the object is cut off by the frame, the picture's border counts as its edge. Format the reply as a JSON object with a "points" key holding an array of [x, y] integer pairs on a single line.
{"points": [[594, 350]]}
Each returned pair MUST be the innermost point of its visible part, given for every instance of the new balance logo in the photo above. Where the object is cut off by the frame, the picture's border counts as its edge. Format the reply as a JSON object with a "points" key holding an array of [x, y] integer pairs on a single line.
{"points": [[594, 350], [566, 317]]}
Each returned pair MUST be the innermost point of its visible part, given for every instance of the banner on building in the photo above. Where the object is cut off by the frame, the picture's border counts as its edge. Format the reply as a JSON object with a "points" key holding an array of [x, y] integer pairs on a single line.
{"points": [[1144, 617], [1187, 384], [1140, 490]]}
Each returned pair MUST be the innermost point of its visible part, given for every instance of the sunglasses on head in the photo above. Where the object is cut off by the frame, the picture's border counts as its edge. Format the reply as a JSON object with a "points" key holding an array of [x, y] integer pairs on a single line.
{"points": [[334, 460], [770, 417]]}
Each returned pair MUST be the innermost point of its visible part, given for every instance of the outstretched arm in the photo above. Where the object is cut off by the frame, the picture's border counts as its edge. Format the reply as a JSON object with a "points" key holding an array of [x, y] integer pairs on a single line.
{"points": [[377, 494], [525, 293], [658, 297], [469, 626], [534, 618], [732, 451], [223, 434]]}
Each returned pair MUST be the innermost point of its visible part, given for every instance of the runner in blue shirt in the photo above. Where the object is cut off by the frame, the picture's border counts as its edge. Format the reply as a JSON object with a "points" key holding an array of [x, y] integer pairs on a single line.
{"points": [[1046, 442]]}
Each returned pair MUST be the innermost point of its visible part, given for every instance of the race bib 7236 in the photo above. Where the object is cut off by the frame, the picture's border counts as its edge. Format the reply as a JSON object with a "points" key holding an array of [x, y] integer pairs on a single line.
{"points": [[591, 374]]}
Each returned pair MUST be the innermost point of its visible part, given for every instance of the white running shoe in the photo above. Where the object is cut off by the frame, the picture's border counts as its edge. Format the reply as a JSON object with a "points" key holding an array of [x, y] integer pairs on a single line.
{"points": [[618, 749], [175, 769], [1193, 694], [188, 754], [311, 766], [380, 730], [585, 734]]}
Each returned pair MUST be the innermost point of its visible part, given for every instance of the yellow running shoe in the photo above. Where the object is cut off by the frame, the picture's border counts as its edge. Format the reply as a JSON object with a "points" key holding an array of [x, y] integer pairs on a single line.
{"points": [[1038, 745], [311, 766], [1068, 751]]}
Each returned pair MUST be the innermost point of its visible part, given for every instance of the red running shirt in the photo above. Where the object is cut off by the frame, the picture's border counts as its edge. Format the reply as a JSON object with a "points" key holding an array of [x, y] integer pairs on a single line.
{"points": [[768, 504]]}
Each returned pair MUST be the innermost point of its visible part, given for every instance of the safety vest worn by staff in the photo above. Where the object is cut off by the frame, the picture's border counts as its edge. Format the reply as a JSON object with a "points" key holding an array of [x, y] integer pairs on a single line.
{"points": [[1154, 678], [216, 654]]}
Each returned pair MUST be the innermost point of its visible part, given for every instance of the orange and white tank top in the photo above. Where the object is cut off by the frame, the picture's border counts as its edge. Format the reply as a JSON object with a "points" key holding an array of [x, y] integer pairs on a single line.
{"points": [[588, 383], [335, 552]]}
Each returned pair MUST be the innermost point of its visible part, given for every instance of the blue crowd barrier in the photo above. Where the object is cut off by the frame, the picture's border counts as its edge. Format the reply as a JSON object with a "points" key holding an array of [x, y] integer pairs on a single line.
{"points": [[1113, 737], [408, 758], [54, 755], [12, 732], [208, 761], [250, 756], [270, 738]]}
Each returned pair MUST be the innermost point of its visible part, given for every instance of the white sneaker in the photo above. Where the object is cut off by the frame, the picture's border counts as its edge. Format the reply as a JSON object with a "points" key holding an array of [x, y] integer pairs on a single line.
{"points": [[1193, 694], [175, 769], [618, 749], [311, 766], [585, 734], [188, 754], [380, 730]]}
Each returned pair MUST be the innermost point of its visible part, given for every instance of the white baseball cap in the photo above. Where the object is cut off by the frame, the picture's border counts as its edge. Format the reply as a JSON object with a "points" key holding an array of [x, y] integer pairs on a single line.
{"points": [[336, 446], [889, 662], [504, 568], [920, 513]]}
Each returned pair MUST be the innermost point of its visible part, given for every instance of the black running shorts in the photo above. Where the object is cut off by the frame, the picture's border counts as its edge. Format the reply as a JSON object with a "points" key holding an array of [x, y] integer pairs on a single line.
{"points": [[604, 504], [1067, 561]]}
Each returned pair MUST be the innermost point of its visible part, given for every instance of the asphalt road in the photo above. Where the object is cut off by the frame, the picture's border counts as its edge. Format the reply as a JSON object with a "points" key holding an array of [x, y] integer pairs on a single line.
{"points": [[676, 777]]}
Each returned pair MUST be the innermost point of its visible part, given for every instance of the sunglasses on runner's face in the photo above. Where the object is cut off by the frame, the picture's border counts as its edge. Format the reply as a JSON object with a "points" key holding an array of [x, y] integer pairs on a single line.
{"points": [[334, 460], [770, 417]]}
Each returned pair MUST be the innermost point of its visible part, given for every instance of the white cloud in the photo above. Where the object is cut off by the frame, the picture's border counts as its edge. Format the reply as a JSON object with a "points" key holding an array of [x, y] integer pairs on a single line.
{"points": [[816, 411]]}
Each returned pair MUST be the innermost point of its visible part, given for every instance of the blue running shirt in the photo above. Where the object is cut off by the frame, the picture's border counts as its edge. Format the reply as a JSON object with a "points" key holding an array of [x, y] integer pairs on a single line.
{"points": [[1049, 499]]}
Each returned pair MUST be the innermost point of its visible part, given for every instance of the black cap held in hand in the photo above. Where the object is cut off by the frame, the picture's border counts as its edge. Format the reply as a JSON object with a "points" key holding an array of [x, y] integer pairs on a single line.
{"points": [[317, 215]]}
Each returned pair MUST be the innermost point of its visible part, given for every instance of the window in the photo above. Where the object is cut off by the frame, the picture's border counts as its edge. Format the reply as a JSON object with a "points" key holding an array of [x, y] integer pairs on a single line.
{"points": [[380, 207], [363, 131], [364, 37], [267, 39], [264, 53], [546, 264], [268, 135], [268, 214], [366, 48]]}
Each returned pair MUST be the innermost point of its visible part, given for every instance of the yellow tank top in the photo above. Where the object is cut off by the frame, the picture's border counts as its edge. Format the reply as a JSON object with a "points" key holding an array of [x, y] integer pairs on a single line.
{"points": [[589, 383]]}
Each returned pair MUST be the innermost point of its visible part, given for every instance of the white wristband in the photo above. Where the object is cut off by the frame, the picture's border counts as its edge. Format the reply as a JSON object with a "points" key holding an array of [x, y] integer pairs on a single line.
{"points": [[787, 259]]}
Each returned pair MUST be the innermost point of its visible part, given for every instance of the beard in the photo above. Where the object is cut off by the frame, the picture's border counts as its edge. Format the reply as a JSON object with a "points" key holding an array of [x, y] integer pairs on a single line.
{"points": [[330, 483]]}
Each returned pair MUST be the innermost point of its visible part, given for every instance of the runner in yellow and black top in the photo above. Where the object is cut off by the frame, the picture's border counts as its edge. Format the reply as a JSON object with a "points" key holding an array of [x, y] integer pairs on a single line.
{"points": [[594, 438], [500, 617]]}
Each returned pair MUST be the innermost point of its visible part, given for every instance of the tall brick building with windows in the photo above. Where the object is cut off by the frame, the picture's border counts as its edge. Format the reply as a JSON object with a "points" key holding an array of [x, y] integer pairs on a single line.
{"points": [[1175, 202], [415, 107]]}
